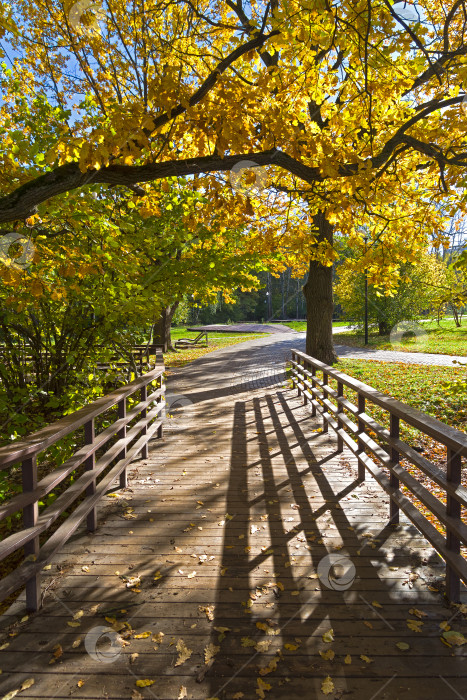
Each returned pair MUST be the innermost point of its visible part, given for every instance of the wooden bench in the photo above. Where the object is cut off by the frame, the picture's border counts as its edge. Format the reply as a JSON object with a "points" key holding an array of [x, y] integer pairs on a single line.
{"points": [[191, 342]]}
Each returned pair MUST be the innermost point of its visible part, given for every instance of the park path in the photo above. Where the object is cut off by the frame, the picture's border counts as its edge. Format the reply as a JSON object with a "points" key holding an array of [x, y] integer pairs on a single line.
{"points": [[210, 575]]}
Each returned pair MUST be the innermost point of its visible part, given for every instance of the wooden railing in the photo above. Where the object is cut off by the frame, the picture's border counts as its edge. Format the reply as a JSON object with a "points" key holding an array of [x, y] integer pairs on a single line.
{"points": [[109, 451], [366, 438]]}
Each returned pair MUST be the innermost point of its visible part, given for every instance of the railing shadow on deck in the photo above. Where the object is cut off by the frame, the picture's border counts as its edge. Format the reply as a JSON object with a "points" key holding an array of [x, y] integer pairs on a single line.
{"points": [[290, 607]]}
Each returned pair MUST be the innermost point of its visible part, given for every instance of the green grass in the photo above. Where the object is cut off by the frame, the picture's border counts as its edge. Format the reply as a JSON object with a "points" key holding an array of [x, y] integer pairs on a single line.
{"points": [[443, 339], [422, 387], [215, 342]]}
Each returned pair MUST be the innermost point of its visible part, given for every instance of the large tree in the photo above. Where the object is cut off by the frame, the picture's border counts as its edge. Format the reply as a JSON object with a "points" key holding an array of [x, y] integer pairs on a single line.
{"points": [[347, 102]]}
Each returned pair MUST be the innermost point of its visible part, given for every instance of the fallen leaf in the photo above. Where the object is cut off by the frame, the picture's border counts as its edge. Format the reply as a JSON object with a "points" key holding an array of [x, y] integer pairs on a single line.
{"points": [[208, 609], [142, 635], [144, 683], [262, 686], [328, 636], [348, 660], [291, 647], [327, 686], [366, 659], [80, 683], [415, 625], [272, 665], [210, 652], [76, 643], [327, 655], [182, 693], [158, 637], [455, 638], [192, 575], [402, 646], [261, 646], [133, 657], [183, 653], [27, 684], [375, 604]]}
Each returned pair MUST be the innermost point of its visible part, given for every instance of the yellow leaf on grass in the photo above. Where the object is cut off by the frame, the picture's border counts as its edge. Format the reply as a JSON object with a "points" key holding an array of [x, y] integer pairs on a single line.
{"points": [[327, 686], [183, 653], [144, 683]]}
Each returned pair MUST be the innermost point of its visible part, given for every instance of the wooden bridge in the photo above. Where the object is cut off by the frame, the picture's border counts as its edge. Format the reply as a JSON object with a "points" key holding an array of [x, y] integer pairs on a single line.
{"points": [[244, 555]]}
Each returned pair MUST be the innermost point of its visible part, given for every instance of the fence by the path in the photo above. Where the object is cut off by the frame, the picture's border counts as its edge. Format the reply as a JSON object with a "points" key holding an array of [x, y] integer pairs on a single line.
{"points": [[365, 437], [108, 444]]}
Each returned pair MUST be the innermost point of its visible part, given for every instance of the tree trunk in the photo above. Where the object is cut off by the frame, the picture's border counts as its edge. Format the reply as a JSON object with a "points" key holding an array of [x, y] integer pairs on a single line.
{"points": [[162, 327], [384, 328], [319, 302]]}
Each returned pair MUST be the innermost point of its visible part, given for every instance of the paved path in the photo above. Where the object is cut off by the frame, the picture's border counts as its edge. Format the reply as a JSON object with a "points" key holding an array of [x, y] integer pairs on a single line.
{"points": [[227, 530], [243, 328]]}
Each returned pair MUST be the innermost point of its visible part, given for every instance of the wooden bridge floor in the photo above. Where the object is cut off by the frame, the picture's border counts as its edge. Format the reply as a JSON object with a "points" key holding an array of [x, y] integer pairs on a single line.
{"points": [[228, 525]]}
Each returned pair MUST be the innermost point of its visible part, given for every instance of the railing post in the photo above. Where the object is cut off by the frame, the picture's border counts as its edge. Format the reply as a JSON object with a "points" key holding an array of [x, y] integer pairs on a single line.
{"points": [[361, 446], [313, 384], [300, 362], [144, 396], [31, 548], [453, 509], [293, 360], [340, 409], [89, 434], [393, 480], [160, 428], [305, 367], [325, 396], [122, 434]]}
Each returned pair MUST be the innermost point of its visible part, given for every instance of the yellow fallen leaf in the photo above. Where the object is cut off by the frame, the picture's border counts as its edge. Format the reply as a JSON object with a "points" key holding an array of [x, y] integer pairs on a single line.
{"points": [[272, 665], [208, 609], [366, 659], [417, 613], [144, 683], [210, 652], [368, 624], [76, 643], [291, 647], [192, 575], [415, 625], [247, 642], [327, 655], [402, 646], [444, 626], [142, 635], [455, 638], [375, 604], [158, 637], [327, 687], [80, 683], [182, 693], [262, 686], [74, 624], [348, 660], [27, 684], [183, 653], [328, 636]]}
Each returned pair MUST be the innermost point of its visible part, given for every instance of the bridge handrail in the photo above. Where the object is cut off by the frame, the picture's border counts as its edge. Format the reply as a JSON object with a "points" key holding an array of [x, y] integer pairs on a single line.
{"points": [[366, 437], [128, 436]]}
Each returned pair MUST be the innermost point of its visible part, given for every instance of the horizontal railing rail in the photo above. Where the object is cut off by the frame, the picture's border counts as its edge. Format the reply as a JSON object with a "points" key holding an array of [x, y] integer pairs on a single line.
{"points": [[366, 438], [105, 454]]}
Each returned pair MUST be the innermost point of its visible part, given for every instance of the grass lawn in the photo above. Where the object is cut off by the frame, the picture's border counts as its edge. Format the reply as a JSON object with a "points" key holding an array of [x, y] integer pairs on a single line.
{"points": [[419, 386], [216, 341], [445, 339]]}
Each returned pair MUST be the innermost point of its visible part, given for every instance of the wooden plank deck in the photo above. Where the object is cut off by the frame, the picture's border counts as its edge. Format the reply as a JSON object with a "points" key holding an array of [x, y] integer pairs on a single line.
{"points": [[230, 518]]}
